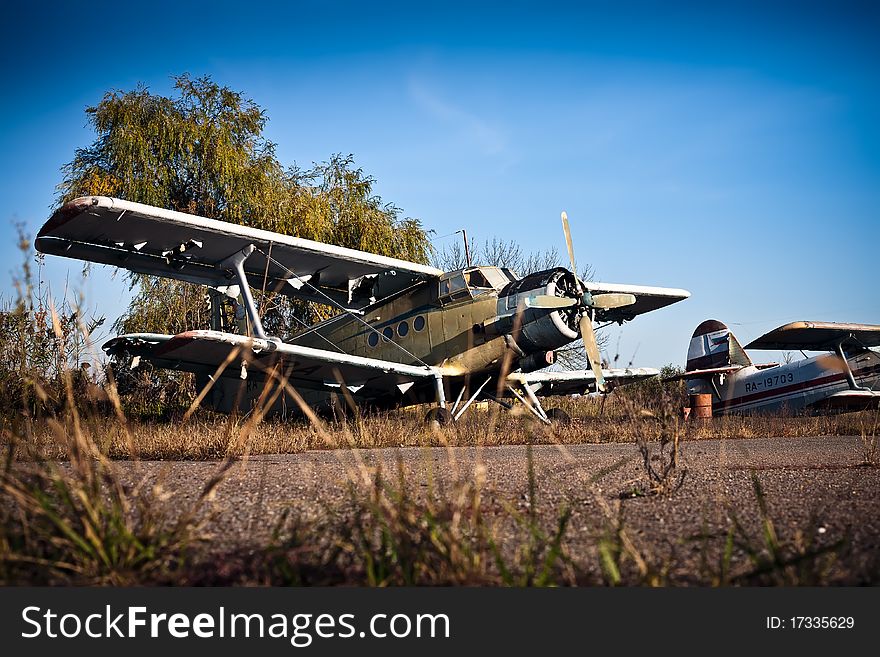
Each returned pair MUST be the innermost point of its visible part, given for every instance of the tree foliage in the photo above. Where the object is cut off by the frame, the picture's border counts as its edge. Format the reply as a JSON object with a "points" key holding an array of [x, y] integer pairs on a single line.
{"points": [[202, 151]]}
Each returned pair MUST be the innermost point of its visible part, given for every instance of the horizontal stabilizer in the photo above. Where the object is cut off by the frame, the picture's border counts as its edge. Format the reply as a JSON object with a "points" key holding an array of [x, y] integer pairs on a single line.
{"points": [[704, 374]]}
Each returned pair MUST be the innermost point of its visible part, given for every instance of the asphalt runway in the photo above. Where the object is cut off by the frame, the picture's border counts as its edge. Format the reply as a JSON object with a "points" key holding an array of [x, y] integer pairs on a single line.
{"points": [[818, 491]]}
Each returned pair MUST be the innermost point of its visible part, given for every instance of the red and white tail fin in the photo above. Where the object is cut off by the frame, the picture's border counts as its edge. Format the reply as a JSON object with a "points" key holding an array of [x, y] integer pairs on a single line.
{"points": [[713, 346]]}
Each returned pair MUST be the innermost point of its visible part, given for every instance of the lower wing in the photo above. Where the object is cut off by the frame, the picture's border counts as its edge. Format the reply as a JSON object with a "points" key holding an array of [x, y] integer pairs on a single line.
{"points": [[214, 353], [850, 400], [545, 384]]}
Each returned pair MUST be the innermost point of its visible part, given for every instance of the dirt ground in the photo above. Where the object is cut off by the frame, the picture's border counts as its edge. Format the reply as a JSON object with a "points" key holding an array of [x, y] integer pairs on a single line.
{"points": [[818, 492]]}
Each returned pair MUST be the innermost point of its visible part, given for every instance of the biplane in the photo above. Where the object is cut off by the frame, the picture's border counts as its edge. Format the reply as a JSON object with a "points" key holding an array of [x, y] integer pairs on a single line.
{"points": [[845, 378], [405, 333]]}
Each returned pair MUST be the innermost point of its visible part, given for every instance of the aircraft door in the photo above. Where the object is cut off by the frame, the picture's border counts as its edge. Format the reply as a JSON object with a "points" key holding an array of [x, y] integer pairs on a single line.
{"points": [[435, 331]]}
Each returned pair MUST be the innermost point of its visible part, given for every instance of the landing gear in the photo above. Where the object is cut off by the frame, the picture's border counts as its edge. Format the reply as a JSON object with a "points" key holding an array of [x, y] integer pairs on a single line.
{"points": [[526, 395], [441, 416], [530, 401]]}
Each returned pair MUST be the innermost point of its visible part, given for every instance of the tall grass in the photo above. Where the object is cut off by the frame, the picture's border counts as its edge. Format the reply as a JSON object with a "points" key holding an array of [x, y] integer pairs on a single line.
{"points": [[78, 522], [66, 514]]}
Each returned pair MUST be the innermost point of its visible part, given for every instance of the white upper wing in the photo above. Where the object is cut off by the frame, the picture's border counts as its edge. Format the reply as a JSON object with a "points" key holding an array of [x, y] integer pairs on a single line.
{"points": [[648, 298], [150, 240], [818, 336]]}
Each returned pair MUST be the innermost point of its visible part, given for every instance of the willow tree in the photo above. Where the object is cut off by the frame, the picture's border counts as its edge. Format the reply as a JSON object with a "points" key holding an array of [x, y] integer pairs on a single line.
{"points": [[202, 151]]}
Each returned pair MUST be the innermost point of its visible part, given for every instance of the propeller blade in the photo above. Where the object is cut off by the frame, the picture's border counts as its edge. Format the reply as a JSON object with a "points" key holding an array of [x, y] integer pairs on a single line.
{"points": [[586, 322], [592, 349], [568, 243], [548, 301], [613, 300]]}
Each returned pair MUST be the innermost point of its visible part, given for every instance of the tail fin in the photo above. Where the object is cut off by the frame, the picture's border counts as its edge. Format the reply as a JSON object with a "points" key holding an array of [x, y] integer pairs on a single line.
{"points": [[713, 345]]}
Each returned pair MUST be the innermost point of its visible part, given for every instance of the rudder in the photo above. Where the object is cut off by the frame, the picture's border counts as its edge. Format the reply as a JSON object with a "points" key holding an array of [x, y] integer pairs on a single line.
{"points": [[713, 345]]}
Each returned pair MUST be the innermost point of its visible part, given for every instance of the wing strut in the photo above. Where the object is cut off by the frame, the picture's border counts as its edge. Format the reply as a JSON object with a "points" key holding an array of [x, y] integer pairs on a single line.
{"points": [[846, 368], [304, 280], [457, 415], [236, 261]]}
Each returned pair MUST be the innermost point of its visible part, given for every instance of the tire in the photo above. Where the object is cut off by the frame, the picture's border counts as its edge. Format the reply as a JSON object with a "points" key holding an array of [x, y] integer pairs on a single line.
{"points": [[441, 416], [558, 416]]}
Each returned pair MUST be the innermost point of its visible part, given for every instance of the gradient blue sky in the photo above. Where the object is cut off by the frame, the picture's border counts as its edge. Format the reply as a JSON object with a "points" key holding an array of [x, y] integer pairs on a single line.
{"points": [[733, 151]]}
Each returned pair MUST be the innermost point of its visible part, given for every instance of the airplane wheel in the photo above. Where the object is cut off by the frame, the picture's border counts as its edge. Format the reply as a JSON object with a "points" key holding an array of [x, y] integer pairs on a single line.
{"points": [[441, 416], [558, 416]]}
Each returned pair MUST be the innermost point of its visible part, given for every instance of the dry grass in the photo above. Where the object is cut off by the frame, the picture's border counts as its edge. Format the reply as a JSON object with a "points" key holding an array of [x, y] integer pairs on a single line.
{"points": [[392, 531], [211, 436]]}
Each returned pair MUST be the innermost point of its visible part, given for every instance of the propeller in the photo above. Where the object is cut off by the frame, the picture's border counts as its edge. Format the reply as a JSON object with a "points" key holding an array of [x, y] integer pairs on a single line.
{"points": [[549, 301], [587, 303], [604, 301], [588, 335], [609, 300]]}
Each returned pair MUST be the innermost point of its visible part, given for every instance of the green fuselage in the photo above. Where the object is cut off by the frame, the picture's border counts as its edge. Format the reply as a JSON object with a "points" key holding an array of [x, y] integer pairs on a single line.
{"points": [[415, 328]]}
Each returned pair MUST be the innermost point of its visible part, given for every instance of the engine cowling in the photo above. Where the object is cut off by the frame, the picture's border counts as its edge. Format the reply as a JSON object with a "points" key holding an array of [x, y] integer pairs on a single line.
{"points": [[541, 329]]}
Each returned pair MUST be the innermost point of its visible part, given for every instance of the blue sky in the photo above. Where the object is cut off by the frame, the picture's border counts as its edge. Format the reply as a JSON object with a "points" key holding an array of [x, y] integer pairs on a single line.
{"points": [[731, 151]]}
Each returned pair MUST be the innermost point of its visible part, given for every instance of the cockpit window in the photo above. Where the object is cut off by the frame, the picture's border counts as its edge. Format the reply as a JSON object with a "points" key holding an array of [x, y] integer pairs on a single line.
{"points": [[472, 282], [452, 284], [511, 275], [476, 279], [496, 277]]}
